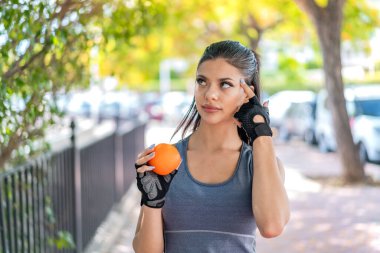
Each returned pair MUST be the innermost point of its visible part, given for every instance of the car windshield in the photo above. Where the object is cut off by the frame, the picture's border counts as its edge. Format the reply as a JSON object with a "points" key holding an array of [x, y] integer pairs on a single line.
{"points": [[369, 107]]}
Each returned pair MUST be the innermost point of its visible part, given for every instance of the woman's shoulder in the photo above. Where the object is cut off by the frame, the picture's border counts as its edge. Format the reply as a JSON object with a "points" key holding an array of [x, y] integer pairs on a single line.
{"points": [[181, 143], [246, 151], [246, 158]]}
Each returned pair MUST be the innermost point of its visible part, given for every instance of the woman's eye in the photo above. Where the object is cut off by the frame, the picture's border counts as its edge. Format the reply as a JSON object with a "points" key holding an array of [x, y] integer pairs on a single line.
{"points": [[201, 81], [226, 85]]}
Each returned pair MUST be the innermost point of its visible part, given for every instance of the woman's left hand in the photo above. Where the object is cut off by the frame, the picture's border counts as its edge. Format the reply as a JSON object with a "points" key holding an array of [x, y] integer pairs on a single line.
{"points": [[252, 116]]}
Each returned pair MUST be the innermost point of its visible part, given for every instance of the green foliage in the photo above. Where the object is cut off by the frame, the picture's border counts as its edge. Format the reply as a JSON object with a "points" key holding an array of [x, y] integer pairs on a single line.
{"points": [[131, 60], [315, 63], [359, 22], [63, 240], [45, 50], [291, 69]]}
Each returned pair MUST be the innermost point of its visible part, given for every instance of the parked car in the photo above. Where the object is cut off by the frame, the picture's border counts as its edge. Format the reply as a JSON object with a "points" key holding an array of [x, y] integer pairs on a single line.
{"points": [[363, 108], [123, 105], [280, 105], [175, 105], [299, 121], [152, 105]]}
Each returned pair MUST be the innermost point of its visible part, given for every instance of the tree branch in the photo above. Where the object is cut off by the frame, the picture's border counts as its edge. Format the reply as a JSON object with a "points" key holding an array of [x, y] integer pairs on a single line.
{"points": [[13, 143], [273, 24], [254, 24], [15, 67], [17, 137], [311, 8]]}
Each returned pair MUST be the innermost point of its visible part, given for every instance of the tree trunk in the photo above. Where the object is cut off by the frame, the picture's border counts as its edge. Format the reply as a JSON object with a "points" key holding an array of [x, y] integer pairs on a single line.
{"points": [[328, 23]]}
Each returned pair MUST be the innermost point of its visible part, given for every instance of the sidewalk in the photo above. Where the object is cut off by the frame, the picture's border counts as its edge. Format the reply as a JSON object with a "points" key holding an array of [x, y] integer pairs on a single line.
{"points": [[323, 219]]}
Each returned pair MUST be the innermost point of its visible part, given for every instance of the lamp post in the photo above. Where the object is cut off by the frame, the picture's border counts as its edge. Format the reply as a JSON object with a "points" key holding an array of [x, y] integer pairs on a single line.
{"points": [[166, 66]]}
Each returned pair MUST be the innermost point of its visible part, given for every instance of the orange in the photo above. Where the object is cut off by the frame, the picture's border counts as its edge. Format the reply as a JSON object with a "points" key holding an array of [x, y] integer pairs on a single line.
{"points": [[166, 159]]}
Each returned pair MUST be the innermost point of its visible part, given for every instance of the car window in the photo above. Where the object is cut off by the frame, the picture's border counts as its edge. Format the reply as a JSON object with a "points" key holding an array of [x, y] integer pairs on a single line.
{"points": [[370, 107]]}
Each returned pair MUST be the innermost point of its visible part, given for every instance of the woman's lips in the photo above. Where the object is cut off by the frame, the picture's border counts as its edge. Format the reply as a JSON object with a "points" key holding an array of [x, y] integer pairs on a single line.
{"points": [[210, 109]]}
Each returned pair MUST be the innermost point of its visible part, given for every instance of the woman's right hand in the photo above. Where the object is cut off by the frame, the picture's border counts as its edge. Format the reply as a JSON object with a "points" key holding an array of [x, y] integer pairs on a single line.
{"points": [[152, 186]]}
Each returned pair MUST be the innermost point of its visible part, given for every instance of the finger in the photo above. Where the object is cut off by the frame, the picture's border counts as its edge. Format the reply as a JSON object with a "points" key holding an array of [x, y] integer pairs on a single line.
{"points": [[266, 103], [145, 168], [146, 151], [252, 87], [250, 93], [145, 159], [258, 119]]}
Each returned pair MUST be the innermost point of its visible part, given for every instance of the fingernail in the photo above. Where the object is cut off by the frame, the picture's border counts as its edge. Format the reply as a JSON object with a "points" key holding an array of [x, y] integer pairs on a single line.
{"points": [[152, 154], [151, 168], [151, 146], [241, 80]]}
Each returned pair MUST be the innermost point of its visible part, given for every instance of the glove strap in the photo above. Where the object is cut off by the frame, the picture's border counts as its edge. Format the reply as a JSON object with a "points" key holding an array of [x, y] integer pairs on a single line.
{"points": [[262, 129], [152, 203]]}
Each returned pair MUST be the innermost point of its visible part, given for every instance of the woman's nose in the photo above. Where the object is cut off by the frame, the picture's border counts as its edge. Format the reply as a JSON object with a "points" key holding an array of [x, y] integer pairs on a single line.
{"points": [[212, 93]]}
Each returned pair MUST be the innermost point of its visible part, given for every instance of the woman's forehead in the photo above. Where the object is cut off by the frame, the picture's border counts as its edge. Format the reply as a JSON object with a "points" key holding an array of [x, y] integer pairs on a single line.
{"points": [[219, 68]]}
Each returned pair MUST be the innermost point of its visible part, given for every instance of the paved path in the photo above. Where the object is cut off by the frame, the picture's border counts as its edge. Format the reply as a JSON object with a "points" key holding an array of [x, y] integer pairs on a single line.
{"points": [[324, 218]]}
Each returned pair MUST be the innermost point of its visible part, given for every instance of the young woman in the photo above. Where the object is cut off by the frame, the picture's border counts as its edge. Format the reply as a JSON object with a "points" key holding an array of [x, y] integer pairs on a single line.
{"points": [[229, 182]]}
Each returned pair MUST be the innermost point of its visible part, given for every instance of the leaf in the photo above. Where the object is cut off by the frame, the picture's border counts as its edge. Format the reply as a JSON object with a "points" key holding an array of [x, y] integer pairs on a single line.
{"points": [[322, 3]]}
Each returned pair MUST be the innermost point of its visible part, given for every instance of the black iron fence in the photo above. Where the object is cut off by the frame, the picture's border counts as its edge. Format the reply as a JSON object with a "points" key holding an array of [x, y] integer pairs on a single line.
{"points": [[56, 203]]}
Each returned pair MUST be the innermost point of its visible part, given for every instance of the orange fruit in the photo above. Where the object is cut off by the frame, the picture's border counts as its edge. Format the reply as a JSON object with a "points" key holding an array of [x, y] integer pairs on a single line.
{"points": [[166, 159]]}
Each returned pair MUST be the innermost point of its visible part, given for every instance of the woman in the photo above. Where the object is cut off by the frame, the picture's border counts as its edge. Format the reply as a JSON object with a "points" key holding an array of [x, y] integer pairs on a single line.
{"points": [[229, 182]]}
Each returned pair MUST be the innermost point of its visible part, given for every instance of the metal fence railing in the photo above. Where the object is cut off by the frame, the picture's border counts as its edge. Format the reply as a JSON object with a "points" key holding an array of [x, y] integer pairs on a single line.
{"points": [[65, 195]]}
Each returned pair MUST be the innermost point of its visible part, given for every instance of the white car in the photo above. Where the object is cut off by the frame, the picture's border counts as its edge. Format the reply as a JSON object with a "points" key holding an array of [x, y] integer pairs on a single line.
{"points": [[280, 103], [363, 108]]}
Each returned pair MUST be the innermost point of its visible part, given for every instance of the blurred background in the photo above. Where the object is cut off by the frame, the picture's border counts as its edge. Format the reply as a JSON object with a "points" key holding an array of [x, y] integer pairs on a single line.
{"points": [[74, 73]]}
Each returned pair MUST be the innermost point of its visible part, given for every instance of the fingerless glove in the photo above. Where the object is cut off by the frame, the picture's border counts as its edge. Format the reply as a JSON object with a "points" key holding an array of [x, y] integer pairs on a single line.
{"points": [[246, 114], [153, 187]]}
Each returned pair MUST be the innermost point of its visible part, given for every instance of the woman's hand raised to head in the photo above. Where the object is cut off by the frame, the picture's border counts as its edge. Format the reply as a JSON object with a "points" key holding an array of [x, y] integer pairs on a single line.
{"points": [[252, 116], [153, 187]]}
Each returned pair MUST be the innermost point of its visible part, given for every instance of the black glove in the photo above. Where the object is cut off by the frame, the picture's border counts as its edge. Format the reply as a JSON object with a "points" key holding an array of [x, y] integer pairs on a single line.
{"points": [[153, 187], [246, 114]]}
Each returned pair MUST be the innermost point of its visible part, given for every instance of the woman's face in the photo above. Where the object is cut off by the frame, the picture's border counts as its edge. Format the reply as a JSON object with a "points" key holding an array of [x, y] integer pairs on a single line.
{"points": [[218, 93]]}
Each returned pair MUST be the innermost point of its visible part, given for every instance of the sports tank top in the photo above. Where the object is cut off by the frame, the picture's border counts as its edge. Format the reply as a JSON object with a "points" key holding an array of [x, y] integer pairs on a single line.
{"points": [[210, 218]]}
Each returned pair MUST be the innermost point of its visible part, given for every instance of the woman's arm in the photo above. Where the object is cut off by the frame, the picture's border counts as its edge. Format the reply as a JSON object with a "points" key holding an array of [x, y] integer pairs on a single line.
{"points": [[270, 203], [149, 231]]}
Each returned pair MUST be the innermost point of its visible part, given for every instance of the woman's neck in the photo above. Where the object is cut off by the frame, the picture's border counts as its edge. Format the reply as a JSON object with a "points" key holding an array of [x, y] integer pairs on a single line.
{"points": [[210, 137]]}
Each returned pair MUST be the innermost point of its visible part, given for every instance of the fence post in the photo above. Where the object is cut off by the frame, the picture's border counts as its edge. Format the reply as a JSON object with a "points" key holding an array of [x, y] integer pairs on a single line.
{"points": [[77, 191]]}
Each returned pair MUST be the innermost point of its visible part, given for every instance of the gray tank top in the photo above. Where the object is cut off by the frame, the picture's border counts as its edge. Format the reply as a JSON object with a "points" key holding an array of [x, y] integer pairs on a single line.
{"points": [[210, 218]]}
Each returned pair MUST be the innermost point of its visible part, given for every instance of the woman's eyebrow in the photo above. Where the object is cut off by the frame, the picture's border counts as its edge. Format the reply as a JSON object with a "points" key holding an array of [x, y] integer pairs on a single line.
{"points": [[225, 79], [220, 79]]}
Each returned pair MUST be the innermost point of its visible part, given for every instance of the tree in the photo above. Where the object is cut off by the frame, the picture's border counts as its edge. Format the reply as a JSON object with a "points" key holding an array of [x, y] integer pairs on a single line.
{"points": [[327, 17], [187, 28], [45, 49], [192, 25]]}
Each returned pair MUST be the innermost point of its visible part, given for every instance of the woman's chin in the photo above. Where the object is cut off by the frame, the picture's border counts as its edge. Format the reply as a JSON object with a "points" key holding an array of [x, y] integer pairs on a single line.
{"points": [[210, 120]]}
